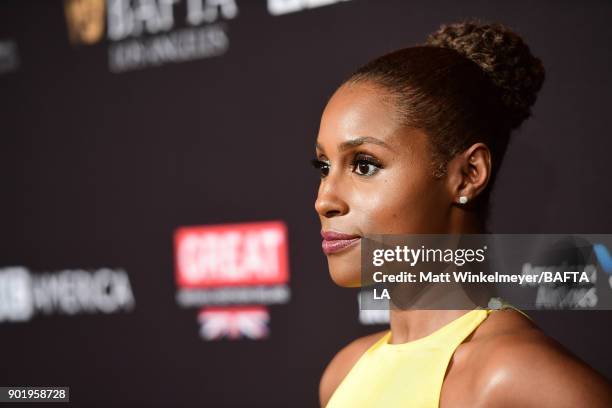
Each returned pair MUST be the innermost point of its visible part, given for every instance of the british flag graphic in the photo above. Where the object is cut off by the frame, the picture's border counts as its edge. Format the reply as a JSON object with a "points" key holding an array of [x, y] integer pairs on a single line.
{"points": [[234, 322]]}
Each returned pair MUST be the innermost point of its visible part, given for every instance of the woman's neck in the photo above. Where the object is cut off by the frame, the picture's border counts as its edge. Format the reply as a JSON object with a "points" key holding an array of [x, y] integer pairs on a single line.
{"points": [[428, 314], [462, 221], [438, 304]]}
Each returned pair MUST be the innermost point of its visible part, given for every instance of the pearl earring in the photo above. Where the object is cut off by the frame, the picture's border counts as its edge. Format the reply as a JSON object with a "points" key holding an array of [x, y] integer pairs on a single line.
{"points": [[463, 199]]}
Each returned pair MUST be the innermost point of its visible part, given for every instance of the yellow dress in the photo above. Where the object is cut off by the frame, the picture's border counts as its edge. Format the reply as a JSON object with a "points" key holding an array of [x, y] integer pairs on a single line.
{"points": [[408, 375]]}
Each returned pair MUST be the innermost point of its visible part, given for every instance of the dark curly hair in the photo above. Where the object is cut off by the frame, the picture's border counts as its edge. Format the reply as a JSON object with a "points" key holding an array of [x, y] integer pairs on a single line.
{"points": [[470, 82]]}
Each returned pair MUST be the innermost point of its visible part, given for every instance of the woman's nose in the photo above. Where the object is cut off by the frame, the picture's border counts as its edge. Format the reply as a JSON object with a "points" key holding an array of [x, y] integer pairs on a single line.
{"points": [[329, 202]]}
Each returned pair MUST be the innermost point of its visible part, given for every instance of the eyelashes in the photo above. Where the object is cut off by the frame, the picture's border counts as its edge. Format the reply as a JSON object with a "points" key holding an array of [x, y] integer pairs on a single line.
{"points": [[362, 164], [322, 166], [366, 165]]}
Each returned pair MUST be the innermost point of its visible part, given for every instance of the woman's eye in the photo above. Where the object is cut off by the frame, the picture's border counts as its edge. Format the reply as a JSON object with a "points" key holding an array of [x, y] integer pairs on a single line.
{"points": [[366, 167], [321, 165]]}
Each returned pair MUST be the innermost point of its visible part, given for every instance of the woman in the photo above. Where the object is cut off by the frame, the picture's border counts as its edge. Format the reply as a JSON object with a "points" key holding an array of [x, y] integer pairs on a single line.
{"points": [[411, 143]]}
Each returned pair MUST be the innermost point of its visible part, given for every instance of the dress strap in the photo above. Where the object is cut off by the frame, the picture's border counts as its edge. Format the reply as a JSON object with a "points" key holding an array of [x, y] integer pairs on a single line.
{"points": [[497, 303]]}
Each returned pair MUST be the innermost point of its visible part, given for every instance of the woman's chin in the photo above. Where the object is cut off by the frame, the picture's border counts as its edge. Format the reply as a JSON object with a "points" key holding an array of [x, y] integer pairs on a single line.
{"points": [[345, 267], [345, 279]]}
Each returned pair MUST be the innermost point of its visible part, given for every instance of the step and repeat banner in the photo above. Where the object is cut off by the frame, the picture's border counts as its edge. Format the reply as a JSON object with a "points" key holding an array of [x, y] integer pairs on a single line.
{"points": [[159, 241]]}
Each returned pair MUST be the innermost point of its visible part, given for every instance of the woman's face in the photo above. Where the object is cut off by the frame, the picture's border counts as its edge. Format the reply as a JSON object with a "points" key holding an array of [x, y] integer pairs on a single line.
{"points": [[376, 178]]}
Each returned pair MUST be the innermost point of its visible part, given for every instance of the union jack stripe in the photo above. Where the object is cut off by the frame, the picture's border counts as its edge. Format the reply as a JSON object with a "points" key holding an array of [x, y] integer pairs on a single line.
{"points": [[234, 322]]}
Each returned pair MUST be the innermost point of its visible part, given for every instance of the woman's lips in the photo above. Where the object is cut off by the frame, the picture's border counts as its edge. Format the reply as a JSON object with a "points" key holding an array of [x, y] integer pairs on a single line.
{"points": [[334, 241]]}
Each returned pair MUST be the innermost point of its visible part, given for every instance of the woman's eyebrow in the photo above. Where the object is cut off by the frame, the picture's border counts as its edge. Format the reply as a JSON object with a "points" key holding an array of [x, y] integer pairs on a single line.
{"points": [[358, 142]]}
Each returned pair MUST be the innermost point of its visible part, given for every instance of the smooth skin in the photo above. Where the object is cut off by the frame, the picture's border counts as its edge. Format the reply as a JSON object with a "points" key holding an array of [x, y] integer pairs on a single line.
{"points": [[377, 178]]}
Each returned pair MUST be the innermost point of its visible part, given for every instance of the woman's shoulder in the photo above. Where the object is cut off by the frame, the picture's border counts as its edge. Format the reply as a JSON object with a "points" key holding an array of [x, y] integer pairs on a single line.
{"points": [[343, 362], [519, 365]]}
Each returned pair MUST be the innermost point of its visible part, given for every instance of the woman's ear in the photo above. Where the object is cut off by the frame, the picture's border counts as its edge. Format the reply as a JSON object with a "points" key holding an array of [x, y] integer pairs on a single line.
{"points": [[468, 173]]}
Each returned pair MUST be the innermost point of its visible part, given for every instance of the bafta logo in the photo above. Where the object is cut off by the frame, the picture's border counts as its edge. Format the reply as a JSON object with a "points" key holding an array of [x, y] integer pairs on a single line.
{"points": [[85, 20]]}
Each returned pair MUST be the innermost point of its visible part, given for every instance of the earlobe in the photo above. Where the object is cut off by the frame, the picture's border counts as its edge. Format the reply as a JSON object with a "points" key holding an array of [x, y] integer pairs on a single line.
{"points": [[456, 173]]}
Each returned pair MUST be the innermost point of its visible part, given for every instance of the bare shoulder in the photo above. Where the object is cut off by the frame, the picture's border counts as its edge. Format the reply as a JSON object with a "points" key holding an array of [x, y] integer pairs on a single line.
{"points": [[519, 365], [342, 363]]}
